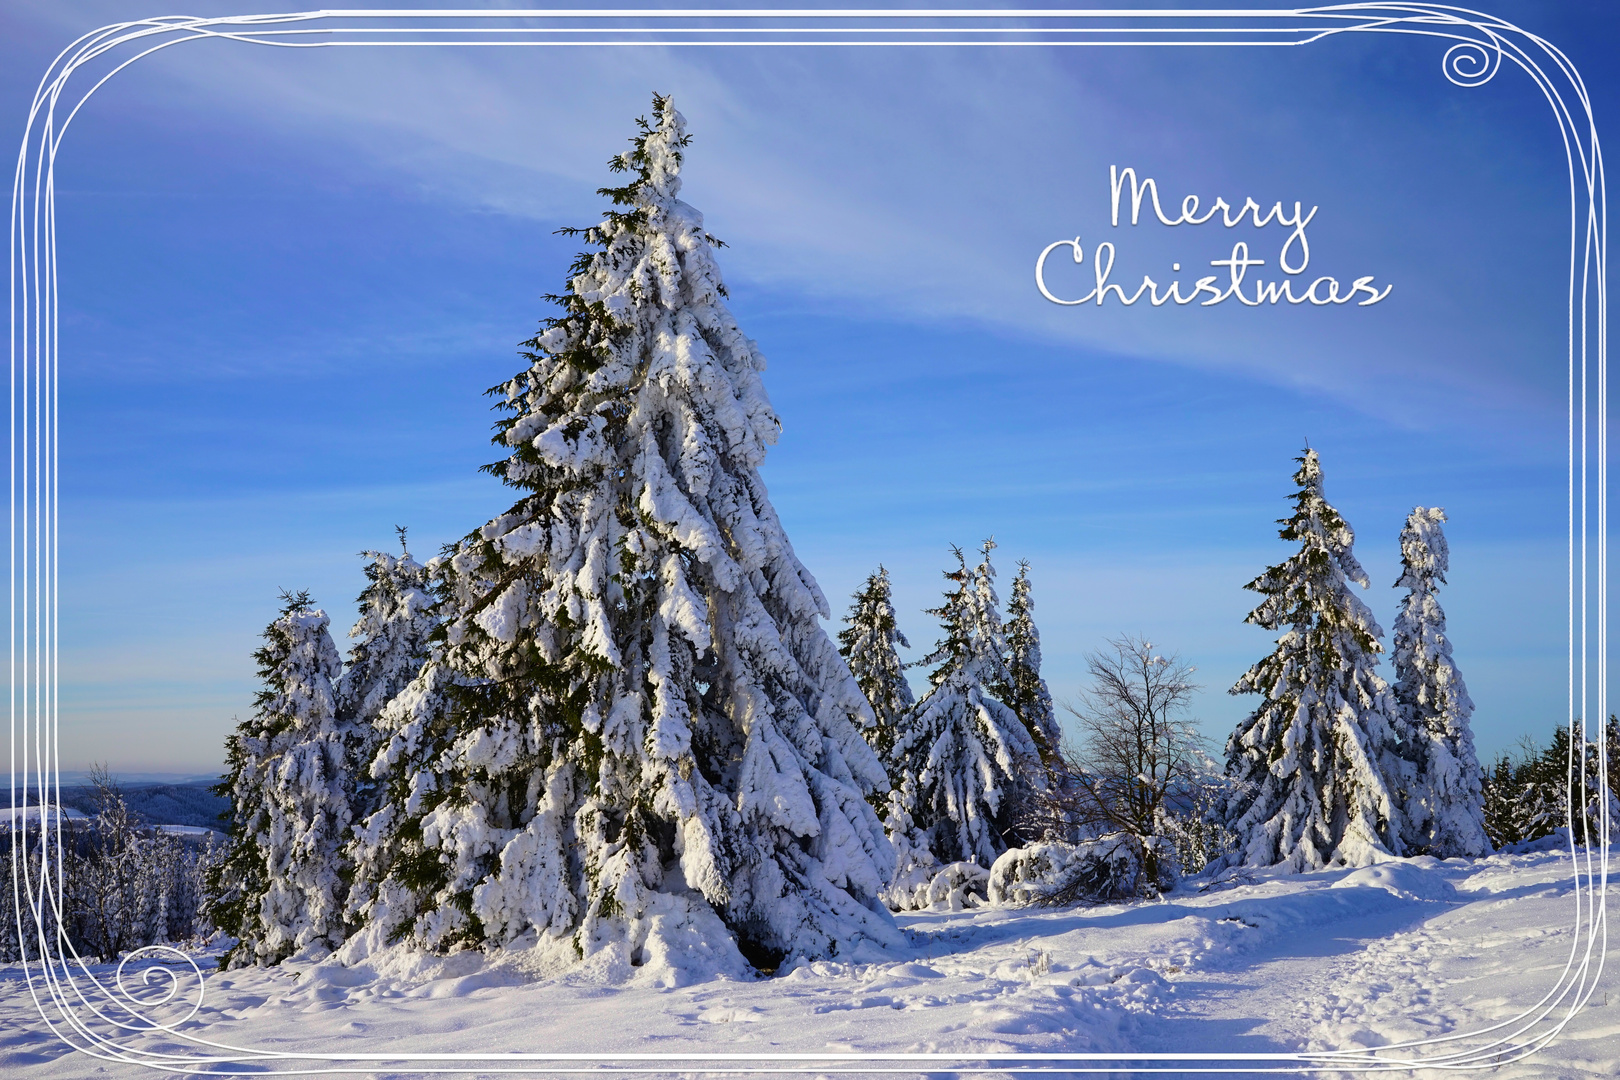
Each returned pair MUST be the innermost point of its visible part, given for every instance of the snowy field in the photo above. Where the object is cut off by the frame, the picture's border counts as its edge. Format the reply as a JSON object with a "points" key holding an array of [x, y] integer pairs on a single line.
{"points": [[1327, 960]]}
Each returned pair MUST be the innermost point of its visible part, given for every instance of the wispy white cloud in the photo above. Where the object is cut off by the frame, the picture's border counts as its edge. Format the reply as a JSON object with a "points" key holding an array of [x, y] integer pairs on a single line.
{"points": [[918, 184]]}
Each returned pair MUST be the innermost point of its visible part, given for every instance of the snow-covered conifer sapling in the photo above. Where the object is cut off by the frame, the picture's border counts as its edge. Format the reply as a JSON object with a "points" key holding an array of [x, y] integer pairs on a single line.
{"points": [[963, 757]]}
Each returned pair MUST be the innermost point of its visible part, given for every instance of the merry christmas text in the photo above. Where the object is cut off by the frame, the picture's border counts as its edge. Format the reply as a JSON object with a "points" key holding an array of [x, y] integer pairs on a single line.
{"points": [[1293, 259]]}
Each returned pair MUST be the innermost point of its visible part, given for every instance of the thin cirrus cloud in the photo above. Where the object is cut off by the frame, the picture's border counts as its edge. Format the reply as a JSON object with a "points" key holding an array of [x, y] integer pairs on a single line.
{"points": [[916, 185]]}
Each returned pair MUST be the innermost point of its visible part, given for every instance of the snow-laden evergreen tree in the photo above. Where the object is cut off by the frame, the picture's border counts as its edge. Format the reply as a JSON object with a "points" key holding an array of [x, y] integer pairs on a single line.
{"points": [[391, 635], [282, 882], [633, 735], [1032, 774], [914, 863], [1313, 765], [962, 756], [1443, 811], [390, 647], [1026, 691], [868, 642]]}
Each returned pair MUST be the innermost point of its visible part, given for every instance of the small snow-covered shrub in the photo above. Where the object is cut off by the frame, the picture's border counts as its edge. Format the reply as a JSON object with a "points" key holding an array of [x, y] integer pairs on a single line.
{"points": [[1021, 875], [1102, 871], [952, 887]]}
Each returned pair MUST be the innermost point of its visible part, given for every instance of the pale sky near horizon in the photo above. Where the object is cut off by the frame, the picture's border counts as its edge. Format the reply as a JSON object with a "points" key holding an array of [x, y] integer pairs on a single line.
{"points": [[288, 277]]}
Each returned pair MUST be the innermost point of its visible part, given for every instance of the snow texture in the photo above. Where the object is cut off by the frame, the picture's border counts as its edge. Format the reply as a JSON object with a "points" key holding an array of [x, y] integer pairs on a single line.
{"points": [[1279, 964], [1312, 765], [635, 731], [1443, 811]]}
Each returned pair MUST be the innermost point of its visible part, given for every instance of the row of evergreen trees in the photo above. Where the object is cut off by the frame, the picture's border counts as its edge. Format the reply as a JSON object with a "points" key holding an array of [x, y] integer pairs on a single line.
{"points": [[1334, 767], [609, 721], [298, 770], [964, 763], [1540, 790]]}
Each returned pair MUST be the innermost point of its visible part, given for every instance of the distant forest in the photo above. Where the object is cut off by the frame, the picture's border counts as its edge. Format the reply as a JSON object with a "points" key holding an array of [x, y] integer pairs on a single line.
{"points": [[156, 804]]}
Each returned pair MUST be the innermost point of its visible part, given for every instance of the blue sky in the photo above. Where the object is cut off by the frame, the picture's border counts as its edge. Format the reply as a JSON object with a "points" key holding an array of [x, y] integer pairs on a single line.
{"points": [[288, 277]]}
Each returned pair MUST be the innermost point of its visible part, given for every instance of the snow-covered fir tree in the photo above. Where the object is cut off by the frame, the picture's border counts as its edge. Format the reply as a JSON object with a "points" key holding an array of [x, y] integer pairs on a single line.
{"points": [[390, 647], [1312, 765], [868, 642], [633, 737], [391, 635], [281, 883], [1032, 774], [962, 756], [1026, 691], [1443, 810]]}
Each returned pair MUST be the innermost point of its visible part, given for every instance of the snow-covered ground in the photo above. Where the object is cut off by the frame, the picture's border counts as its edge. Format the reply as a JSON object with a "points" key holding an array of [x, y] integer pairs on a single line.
{"points": [[194, 832], [30, 815], [1323, 961]]}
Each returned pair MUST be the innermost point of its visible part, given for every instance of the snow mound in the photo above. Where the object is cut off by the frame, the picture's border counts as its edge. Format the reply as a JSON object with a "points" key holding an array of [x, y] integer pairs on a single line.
{"points": [[1408, 880], [953, 887], [1104, 870]]}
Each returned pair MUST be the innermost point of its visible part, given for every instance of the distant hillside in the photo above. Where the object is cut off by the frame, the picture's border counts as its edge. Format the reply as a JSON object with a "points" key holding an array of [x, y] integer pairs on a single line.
{"points": [[160, 804]]}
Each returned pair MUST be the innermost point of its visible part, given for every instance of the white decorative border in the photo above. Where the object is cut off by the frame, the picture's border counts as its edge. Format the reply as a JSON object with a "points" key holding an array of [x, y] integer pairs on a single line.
{"points": [[91, 1017]]}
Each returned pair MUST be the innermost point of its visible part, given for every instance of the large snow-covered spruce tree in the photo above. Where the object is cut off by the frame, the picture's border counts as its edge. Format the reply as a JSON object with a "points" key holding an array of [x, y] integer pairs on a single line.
{"points": [[1026, 690], [1443, 812], [282, 883], [1313, 765], [963, 756], [633, 735], [868, 642], [390, 646]]}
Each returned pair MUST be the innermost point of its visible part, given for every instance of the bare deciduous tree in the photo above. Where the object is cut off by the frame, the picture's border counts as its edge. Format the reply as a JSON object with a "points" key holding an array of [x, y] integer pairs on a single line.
{"points": [[105, 890], [1140, 762], [125, 883]]}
